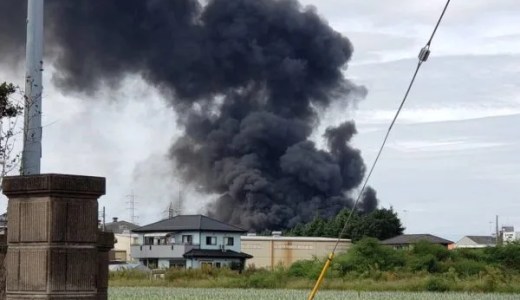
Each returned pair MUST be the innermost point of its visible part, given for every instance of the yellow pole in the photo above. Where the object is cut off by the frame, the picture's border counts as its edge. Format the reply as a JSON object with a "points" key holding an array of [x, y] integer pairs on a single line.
{"points": [[320, 278]]}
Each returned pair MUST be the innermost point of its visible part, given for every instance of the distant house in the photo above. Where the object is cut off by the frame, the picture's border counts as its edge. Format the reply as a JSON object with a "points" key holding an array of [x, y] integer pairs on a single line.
{"points": [[508, 234], [406, 241], [190, 241], [124, 239], [120, 227], [476, 241]]}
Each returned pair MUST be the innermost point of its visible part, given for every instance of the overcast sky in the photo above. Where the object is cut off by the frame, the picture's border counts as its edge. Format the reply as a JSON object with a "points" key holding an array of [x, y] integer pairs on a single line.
{"points": [[451, 163]]}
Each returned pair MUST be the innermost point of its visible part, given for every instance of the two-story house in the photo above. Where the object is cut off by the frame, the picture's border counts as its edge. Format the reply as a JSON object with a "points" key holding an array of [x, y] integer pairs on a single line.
{"points": [[190, 241]]}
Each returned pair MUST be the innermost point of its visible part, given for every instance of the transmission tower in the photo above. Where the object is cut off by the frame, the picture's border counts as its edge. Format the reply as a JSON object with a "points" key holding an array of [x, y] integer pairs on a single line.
{"points": [[131, 207]]}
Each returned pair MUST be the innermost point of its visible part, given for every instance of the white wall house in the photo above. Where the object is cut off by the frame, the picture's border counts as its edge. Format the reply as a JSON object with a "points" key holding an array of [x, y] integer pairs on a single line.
{"points": [[476, 241], [190, 241], [509, 235]]}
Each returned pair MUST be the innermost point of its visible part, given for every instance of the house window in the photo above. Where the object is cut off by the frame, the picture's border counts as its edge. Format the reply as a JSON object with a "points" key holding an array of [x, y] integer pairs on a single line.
{"points": [[230, 241], [151, 263], [187, 239], [148, 240], [217, 264], [205, 265], [211, 240], [177, 263]]}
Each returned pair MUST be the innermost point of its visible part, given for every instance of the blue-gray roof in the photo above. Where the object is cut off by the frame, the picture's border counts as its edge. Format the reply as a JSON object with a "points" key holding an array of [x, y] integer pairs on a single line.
{"points": [[405, 239], [483, 239], [188, 223]]}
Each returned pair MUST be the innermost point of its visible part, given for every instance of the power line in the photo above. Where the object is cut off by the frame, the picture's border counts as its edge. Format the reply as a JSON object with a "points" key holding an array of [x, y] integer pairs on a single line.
{"points": [[423, 56]]}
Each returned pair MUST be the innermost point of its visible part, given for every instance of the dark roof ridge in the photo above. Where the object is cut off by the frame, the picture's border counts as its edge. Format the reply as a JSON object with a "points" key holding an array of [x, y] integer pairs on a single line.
{"points": [[148, 225], [197, 222], [413, 238], [222, 222]]}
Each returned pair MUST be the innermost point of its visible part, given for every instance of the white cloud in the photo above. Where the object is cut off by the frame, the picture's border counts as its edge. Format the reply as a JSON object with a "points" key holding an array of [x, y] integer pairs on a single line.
{"points": [[431, 115], [410, 146]]}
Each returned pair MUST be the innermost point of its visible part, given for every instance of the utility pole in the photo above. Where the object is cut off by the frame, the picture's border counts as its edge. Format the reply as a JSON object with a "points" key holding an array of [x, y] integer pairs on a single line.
{"points": [[497, 232], [32, 130]]}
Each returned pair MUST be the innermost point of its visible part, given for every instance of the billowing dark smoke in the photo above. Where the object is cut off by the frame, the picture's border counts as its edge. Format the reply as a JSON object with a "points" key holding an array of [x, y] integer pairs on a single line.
{"points": [[12, 29], [246, 77]]}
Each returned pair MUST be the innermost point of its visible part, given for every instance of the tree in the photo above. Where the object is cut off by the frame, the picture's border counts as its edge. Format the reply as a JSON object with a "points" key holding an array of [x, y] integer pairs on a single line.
{"points": [[10, 110], [298, 230], [316, 227], [381, 224]]}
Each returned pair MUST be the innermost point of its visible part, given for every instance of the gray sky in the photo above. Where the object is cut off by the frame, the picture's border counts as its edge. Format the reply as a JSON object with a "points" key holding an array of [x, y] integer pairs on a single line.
{"points": [[452, 160]]}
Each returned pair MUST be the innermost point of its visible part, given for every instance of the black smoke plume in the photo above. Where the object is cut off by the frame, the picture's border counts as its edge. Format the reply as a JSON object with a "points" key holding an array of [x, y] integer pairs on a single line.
{"points": [[246, 77]]}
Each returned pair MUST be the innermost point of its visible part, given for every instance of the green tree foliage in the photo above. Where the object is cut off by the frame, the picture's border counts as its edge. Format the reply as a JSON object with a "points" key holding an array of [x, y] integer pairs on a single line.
{"points": [[316, 227], [382, 223], [368, 254], [369, 257], [309, 268], [8, 108], [507, 255]]}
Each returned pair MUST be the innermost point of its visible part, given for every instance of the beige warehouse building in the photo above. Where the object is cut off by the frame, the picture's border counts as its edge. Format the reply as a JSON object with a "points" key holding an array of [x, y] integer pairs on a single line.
{"points": [[270, 251]]}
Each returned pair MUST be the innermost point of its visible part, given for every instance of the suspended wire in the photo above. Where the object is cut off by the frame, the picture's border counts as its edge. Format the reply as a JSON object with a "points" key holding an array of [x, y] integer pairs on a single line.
{"points": [[423, 56]]}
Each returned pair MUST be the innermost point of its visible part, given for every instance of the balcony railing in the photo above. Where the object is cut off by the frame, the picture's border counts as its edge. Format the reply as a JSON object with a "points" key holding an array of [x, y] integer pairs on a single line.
{"points": [[160, 251]]}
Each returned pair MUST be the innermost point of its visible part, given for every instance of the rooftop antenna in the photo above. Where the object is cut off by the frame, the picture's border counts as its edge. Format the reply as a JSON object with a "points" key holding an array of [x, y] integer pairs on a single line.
{"points": [[32, 132]]}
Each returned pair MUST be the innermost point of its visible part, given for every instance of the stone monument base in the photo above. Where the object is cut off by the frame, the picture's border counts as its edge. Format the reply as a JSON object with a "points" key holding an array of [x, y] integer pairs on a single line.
{"points": [[54, 247]]}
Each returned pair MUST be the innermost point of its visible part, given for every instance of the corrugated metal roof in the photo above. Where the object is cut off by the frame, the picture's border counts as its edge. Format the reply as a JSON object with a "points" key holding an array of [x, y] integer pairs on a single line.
{"points": [[189, 222], [414, 238]]}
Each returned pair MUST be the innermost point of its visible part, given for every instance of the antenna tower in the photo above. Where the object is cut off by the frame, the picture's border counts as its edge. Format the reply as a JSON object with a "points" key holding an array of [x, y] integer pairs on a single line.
{"points": [[131, 206]]}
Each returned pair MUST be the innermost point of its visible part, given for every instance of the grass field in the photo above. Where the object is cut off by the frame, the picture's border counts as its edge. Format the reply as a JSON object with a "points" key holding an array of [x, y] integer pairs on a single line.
{"points": [[260, 294]]}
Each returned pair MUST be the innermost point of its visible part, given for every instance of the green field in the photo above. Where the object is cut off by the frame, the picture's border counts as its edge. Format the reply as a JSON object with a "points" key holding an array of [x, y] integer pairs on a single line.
{"points": [[257, 294]]}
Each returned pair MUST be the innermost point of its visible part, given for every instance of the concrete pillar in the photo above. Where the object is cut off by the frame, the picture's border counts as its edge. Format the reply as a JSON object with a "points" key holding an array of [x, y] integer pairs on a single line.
{"points": [[105, 244], [3, 250], [52, 236]]}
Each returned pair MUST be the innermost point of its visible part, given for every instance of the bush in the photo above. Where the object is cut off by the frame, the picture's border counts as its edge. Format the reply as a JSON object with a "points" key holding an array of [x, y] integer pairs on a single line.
{"points": [[424, 248], [436, 284], [507, 255], [369, 254], [264, 279], [470, 254], [428, 263], [468, 267], [306, 268]]}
